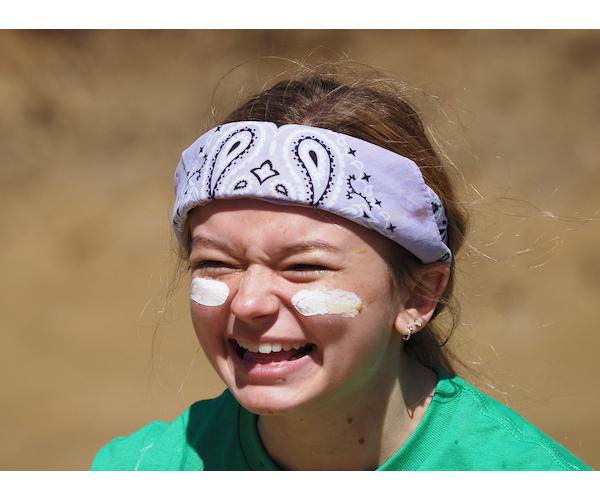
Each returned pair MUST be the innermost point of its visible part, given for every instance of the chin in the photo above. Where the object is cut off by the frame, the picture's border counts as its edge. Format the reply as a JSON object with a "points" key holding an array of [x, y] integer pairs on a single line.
{"points": [[271, 400]]}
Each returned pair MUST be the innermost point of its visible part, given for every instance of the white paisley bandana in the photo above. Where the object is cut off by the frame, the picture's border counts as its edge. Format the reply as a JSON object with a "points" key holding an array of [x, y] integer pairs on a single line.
{"points": [[314, 167]]}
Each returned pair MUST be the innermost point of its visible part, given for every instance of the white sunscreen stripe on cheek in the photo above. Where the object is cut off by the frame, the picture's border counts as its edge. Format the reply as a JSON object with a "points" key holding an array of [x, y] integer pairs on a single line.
{"points": [[208, 292], [314, 302]]}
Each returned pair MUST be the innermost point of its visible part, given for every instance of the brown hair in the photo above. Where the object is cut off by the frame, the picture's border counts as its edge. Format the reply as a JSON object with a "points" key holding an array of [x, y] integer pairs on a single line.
{"points": [[374, 110]]}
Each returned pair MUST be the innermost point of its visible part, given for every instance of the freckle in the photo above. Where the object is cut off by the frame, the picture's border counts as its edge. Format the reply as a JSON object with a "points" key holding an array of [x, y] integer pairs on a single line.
{"points": [[349, 420], [361, 251], [361, 441]]}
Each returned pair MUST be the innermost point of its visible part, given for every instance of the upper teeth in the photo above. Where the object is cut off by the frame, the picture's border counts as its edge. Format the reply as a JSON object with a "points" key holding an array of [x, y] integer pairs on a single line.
{"points": [[267, 348]]}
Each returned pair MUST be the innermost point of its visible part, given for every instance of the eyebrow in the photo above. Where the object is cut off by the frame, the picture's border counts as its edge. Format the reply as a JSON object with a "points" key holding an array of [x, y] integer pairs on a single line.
{"points": [[202, 241], [301, 247], [307, 246]]}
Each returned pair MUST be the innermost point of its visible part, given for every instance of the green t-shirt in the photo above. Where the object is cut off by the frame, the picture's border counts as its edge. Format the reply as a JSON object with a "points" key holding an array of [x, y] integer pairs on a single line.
{"points": [[462, 429]]}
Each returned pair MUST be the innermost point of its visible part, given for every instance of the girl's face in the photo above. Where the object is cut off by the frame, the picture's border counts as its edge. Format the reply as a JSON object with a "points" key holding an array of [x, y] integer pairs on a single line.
{"points": [[310, 291]]}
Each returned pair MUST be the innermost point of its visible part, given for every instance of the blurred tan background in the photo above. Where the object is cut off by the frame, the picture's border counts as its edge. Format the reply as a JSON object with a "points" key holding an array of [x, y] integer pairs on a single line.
{"points": [[91, 128]]}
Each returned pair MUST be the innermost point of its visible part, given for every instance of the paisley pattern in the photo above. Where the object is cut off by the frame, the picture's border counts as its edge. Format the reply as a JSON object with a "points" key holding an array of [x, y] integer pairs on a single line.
{"points": [[286, 163], [232, 150], [315, 159]]}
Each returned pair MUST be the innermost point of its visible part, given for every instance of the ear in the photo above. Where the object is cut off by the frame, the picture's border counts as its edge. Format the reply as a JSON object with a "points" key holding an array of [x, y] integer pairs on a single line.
{"points": [[423, 297]]}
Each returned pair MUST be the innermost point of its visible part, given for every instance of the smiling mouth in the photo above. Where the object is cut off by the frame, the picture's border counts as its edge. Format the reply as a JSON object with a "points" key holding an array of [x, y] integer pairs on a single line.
{"points": [[270, 353]]}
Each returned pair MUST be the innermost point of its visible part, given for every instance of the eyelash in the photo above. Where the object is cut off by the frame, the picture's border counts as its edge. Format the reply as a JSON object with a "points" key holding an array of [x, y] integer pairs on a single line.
{"points": [[297, 268], [306, 268], [203, 264]]}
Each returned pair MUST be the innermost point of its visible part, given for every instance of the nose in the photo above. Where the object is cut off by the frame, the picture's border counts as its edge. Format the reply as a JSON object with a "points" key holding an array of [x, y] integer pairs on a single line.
{"points": [[255, 299]]}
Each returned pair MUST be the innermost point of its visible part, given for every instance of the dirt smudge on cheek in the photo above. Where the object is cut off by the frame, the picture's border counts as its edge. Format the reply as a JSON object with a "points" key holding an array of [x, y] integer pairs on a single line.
{"points": [[369, 301]]}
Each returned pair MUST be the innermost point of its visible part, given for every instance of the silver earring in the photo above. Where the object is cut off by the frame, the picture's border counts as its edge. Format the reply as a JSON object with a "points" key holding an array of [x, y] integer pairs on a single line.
{"points": [[409, 332], [410, 328]]}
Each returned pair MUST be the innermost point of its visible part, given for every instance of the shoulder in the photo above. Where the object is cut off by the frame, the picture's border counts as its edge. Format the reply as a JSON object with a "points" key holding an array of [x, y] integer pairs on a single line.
{"points": [[510, 442], [127, 452], [163, 445]]}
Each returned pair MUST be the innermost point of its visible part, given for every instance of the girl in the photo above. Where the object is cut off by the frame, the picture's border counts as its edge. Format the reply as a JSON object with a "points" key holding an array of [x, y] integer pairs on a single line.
{"points": [[321, 231]]}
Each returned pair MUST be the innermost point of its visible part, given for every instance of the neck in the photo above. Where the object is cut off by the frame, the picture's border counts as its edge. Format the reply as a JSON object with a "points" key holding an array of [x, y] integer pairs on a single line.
{"points": [[359, 432]]}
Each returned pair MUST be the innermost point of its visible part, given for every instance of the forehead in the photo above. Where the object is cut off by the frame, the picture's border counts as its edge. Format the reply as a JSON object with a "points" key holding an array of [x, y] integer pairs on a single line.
{"points": [[258, 223]]}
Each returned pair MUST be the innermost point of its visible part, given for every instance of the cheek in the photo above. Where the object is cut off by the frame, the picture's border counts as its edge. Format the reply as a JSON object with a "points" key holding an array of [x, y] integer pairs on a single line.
{"points": [[358, 324], [337, 315], [329, 302], [366, 301], [207, 292], [208, 310], [353, 349], [208, 323]]}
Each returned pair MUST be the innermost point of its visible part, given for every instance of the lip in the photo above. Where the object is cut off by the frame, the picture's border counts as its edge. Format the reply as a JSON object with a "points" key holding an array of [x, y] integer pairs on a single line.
{"points": [[270, 373]]}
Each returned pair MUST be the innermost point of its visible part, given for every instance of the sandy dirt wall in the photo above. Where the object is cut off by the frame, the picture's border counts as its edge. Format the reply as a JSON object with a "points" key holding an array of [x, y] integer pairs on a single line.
{"points": [[91, 128]]}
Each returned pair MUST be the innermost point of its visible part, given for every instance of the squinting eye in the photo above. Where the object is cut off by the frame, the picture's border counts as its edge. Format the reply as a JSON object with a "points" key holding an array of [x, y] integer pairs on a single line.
{"points": [[306, 268], [208, 264]]}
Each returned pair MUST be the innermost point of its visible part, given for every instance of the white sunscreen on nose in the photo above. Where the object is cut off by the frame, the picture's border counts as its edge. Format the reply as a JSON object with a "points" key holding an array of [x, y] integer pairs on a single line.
{"points": [[314, 302], [208, 292]]}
